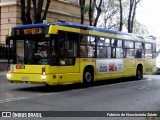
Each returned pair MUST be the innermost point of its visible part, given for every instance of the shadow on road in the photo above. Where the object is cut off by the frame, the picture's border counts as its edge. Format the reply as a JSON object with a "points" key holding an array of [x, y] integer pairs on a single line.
{"points": [[61, 88], [156, 73]]}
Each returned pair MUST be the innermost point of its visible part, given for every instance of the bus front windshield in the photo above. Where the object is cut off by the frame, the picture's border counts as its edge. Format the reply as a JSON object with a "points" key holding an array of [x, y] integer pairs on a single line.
{"points": [[33, 51]]}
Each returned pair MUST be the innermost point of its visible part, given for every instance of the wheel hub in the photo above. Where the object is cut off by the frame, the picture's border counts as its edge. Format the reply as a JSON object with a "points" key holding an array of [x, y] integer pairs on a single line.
{"points": [[88, 77]]}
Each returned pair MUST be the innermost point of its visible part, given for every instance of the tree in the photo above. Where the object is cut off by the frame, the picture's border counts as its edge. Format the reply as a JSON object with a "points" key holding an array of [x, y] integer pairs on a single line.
{"points": [[115, 16], [121, 15], [99, 10], [94, 10], [23, 18], [25, 14], [92, 5], [132, 13], [140, 28], [82, 5], [110, 14]]}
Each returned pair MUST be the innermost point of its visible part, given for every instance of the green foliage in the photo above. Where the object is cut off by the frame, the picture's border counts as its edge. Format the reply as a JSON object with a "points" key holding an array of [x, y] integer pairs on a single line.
{"points": [[110, 17], [140, 29], [86, 8]]}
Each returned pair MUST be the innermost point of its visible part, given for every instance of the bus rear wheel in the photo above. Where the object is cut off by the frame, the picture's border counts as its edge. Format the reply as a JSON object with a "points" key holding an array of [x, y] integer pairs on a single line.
{"points": [[87, 77], [139, 73]]}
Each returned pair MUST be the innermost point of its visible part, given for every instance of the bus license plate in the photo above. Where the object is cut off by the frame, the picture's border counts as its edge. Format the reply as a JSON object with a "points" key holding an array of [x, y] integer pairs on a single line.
{"points": [[25, 79]]}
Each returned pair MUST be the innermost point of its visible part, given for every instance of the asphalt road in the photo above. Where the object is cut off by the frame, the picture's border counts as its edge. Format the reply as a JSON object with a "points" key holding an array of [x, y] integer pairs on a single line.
{"points": [[129, 95]]}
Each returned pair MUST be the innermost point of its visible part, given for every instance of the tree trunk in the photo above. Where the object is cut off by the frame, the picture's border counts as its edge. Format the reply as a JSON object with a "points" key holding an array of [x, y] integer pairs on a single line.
{"points": [[34, 6], [121, 16], [28, 16], [38, 12], [130, 15], [46, 10], [134, 13], [90, 13], [23, 18], [82, 4], [98, 12], [34, 9]]}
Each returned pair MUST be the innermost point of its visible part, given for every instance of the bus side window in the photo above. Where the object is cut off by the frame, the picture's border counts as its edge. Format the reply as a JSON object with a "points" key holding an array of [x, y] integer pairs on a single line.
{"points": [[83, 51], [138, 54], [108, 52], [148, 51], [119, 53], [154, 50], [129, 53], [113, 51], [67, 47], [90, 50]]}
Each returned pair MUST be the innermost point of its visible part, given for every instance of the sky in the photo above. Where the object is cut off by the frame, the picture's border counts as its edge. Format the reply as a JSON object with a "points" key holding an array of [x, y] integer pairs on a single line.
{"points": [[148, 13]]}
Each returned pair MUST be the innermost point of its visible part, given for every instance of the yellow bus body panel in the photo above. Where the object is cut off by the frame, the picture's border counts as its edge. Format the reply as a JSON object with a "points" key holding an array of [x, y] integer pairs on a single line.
{"points": [[149, 66], [54, 29], [61, 75]]}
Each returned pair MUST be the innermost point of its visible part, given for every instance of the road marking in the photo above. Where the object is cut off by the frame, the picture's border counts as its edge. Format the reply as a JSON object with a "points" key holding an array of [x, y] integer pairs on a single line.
{"points": [[13, 99], [23, 98], [143, 88], [42, 94]]}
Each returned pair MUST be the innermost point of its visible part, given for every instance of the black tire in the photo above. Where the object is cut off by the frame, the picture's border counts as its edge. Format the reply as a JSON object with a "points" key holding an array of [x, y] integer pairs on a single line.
{"points": [[88, 77], [139, 73]]}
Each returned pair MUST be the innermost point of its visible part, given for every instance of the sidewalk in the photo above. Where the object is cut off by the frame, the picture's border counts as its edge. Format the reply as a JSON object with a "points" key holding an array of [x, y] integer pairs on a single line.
{"points": [[3, 73]]}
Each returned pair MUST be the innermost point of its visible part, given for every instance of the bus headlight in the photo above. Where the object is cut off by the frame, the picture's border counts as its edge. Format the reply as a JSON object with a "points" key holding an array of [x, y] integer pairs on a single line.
{"points": [[43, 76], [8, 75]]}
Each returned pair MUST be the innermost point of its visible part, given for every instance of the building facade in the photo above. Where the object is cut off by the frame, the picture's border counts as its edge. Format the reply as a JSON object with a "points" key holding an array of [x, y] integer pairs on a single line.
{"points": [[59, 10], [10, 16]]}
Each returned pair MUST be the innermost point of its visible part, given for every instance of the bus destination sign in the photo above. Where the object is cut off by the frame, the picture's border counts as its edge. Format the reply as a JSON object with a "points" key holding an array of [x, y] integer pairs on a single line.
{"points": [[28, 31]]}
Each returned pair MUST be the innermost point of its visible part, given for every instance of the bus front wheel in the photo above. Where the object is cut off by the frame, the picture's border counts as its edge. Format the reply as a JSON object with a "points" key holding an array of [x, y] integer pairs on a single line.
{"points": [[87, 77], [139, 73]]}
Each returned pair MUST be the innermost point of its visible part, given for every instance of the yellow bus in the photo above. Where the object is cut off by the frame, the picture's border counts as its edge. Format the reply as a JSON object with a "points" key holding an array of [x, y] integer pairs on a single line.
{"points": [[66, 53]]}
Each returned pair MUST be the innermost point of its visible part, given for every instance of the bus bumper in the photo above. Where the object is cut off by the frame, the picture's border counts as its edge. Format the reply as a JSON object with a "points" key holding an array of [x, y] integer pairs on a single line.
{"points": [[32, 78]]}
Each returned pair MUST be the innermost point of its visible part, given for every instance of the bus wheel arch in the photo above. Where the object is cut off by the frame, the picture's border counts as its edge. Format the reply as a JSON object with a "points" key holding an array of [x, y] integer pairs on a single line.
{"points": [[88, 75], [139, 72]]}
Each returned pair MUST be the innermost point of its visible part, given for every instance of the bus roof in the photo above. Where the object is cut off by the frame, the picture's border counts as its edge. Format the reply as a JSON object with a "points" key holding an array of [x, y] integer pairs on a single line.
{"points": [[85, 27], [92, 28]]}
